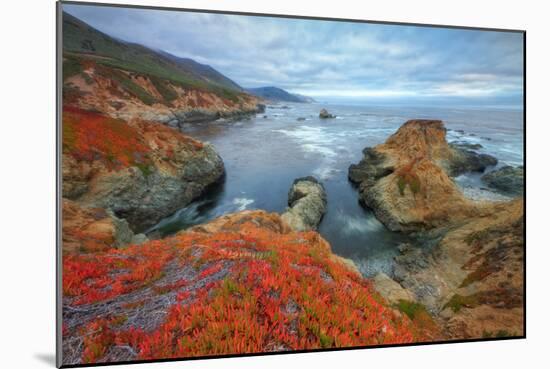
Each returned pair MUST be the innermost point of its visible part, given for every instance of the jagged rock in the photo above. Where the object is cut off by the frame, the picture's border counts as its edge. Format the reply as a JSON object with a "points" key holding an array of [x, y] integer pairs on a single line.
{"points": [[466, 266], [370, 168], [464, 160], [324, 114], [307, 201], [144, 199], [508, 180]]}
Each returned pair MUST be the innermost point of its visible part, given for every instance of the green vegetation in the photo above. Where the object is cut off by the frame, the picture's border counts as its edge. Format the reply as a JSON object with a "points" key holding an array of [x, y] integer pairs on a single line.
{"points": [[163, 88], [71, 67], [145, 169], [408, 179], [412, 309], [475, 237], [457, 302], [499, 334], [84, 43]]}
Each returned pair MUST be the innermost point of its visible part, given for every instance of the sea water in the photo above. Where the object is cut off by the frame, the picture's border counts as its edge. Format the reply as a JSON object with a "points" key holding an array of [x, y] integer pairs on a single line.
{"points": [[263, 155]]}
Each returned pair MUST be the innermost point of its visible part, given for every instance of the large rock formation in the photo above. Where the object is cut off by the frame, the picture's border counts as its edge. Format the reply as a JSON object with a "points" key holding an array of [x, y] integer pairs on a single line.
{"points": [[141, 171], [466, 267], [324, 114], [236, 283], [308, 202], [407, 179], [508, 180]]}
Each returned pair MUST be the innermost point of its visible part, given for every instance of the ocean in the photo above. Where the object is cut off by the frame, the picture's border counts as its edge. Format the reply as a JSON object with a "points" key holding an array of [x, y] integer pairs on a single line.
{"points": [[263, 155]]}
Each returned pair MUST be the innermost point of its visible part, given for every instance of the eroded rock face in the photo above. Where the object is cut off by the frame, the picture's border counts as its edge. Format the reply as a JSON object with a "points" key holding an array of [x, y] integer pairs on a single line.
{"points": [[98, 92], [307, 201], [508, 180], [159, 172], [473, 278]]}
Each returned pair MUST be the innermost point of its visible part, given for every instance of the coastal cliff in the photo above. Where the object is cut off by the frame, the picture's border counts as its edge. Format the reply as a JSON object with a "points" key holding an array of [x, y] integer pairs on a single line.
{"points": [[141, 171]]}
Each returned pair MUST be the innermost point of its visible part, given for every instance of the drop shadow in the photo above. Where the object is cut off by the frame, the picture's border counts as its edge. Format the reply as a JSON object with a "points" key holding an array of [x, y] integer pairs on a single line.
{"points": [[46, 359]]}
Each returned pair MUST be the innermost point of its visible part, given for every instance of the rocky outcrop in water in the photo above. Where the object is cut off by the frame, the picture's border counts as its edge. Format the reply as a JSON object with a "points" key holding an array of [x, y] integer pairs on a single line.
{"points": [[406, 179], [466, 265], [465, 160], [307, 202], [324, 114], [508, 180]]}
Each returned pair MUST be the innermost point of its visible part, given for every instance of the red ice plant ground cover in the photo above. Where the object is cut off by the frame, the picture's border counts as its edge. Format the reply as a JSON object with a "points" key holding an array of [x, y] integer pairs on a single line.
{"points": [[282, 290], [92, 136]]}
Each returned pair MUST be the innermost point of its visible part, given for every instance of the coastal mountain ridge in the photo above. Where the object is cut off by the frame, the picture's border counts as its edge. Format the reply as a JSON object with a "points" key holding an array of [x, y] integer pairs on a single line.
{"points": [[82, 40], [278, 94], [130, 81]]}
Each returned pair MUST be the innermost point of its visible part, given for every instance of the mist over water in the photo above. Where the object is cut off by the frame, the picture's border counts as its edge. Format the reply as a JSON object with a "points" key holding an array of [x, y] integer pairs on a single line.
{"points": [[263, 156]]}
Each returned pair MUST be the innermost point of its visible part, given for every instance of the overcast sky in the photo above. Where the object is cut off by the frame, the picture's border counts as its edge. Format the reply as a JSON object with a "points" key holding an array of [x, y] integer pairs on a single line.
{"points": [[329, 59]]}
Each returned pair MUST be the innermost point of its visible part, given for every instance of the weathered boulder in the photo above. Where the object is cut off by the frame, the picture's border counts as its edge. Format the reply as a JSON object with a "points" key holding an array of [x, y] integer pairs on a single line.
{"points": [[307, 201], [466, 145], [508, 180], [94, 229], [324, 114]]}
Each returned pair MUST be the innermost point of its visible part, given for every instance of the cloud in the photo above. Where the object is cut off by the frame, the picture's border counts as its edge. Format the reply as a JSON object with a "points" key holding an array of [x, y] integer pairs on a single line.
{"points": [[327, 58]]}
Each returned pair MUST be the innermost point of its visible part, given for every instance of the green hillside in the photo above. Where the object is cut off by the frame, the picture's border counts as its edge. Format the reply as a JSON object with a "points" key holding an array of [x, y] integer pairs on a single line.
{"points": [[82, 42]]}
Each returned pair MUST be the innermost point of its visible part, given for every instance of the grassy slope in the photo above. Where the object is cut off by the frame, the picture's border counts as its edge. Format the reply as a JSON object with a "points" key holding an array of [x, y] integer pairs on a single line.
{"points": [[82, 42]]}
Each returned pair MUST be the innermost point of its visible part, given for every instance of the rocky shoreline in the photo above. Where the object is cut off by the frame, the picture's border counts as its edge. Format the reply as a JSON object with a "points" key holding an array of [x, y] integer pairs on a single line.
{"points": [[158, 172]]}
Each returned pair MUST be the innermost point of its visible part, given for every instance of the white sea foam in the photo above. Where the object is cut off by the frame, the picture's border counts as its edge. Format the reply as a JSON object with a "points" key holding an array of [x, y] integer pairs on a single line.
{"points": [[242, 203], [358, 225]]}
